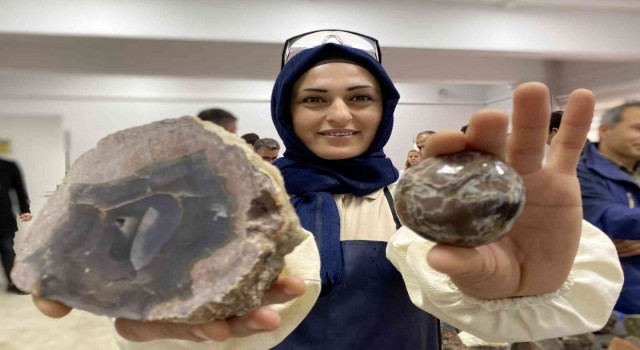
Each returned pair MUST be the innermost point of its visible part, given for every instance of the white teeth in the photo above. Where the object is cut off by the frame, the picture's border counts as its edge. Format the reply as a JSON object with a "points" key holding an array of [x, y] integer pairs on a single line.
{"points": [[340, 133]]}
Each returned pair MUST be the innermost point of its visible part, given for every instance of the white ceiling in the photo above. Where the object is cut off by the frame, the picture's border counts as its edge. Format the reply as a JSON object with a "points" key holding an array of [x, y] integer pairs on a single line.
{"points": [[448, 41], [602, 5]]}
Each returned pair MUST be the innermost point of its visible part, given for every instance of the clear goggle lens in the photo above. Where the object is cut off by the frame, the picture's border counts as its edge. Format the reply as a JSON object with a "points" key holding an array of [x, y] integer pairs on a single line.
{"points": [[309, 40]]}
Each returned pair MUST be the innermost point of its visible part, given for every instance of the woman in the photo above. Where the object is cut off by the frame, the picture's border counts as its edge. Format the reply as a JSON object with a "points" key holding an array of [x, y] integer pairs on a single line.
{"points": [[413, 158], [333, 107]]}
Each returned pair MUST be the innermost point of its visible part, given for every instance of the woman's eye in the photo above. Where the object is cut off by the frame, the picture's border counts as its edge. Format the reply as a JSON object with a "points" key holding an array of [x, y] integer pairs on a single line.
{"points": [[312, 100], [362, 98]]}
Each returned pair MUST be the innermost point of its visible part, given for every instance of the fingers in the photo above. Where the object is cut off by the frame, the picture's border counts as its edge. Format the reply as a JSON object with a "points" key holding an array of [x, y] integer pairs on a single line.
{"points": [[51, 308], [444, 142], [569, 142], [262, 320], [530, 127], [138, 331], [627, 248], [486, 133], [284, 290]]}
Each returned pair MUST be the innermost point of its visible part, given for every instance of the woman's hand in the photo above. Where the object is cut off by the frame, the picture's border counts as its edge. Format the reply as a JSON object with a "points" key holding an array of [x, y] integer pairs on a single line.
{"points": [[264, 319], [627, 248], [536, 256]]}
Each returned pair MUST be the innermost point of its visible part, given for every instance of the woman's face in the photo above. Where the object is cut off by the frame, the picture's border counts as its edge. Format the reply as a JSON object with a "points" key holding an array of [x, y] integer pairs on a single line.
{"points": [[414, 158], [336, 109]]}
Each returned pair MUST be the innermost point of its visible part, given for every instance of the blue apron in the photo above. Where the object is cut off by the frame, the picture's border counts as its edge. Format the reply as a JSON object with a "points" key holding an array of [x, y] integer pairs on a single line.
{"points": [[370, 310]]}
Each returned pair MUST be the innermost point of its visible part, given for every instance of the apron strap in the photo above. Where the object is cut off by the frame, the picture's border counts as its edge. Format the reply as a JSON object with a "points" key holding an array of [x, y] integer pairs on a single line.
{"points": [[392, 206]]}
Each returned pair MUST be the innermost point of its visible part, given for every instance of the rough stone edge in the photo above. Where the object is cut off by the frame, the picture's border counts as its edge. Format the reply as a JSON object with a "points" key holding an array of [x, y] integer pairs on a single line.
{"points": [[287, 238]]}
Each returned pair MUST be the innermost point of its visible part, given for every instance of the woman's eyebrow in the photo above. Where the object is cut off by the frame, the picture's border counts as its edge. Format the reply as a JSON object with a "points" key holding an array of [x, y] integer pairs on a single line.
{"points": [[357, 87], [315, 90]]}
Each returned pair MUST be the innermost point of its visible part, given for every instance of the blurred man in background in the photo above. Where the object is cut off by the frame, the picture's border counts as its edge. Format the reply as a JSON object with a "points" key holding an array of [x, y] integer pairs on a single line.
{"points": [[268, 149], [220, 117], [554, 125], [250, 138], [11, 182], [609, 173], [422, 137]]}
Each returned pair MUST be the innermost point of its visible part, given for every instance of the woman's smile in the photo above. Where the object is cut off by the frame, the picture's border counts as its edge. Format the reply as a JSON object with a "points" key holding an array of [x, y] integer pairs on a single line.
{"points": [[336, 109], [338, 134]]}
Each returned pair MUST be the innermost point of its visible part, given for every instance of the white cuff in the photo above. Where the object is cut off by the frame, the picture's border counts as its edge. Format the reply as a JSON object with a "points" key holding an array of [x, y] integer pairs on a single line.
{"points": [[582, 304]]}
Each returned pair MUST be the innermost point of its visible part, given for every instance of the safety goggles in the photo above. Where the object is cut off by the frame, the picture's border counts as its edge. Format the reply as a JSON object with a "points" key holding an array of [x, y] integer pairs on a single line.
{"points": [[299, 43]]}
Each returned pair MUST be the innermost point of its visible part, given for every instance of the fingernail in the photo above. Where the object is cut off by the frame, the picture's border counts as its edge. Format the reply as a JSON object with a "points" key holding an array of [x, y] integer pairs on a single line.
{"points": [[288, 292], [251, 324], [200, 334]]}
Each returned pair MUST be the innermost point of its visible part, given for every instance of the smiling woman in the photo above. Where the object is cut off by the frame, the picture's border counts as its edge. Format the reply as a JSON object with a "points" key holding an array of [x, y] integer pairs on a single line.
{"points": [[336, 118], [377, 285]]}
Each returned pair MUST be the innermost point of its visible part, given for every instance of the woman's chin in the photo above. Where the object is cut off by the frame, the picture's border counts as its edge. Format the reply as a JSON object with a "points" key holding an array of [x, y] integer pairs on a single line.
{"points": [[338, 154]]}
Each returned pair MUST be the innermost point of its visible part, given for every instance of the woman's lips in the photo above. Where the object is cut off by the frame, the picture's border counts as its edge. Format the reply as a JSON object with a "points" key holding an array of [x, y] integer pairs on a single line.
{"points": [[338, 134]]}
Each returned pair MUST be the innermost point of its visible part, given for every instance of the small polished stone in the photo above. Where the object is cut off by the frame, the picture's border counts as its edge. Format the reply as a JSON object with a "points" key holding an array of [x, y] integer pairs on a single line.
{"points": [[176, 220], [464, 199]]}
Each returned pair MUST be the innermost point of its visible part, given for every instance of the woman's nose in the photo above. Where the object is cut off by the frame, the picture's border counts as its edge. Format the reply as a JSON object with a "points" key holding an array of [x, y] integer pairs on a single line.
{"points": [[339, 113]]}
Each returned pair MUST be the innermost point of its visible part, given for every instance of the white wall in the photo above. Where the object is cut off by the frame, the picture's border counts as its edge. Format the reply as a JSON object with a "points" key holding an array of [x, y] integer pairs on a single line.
{"points": [[500, 97], [93, 106], [411, 119], [37, 145], [612, 83]]}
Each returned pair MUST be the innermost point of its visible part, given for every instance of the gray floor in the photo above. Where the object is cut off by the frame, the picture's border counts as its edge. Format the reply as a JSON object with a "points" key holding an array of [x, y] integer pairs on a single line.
{"points": [[23, 327]]}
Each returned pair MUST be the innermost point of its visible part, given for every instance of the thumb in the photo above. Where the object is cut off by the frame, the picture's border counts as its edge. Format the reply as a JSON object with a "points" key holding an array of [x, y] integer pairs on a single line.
{"points": [[456, 262], [51, 308]]}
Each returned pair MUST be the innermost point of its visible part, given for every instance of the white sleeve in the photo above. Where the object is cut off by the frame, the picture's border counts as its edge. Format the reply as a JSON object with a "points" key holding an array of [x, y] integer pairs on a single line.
{"points": [[583, 303], [303, 262]]}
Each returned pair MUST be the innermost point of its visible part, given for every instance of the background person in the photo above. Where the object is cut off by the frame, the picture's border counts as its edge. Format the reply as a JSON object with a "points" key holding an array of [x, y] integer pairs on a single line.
{"points": [[268, 149], [422, 137], [220, 117], [250, 138], [11, 181], [609, 175], [554, 125], [413, 158]]}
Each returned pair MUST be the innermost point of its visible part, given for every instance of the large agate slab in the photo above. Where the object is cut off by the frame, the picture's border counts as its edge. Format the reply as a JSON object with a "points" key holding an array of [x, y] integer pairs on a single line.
{"points": [[176, 220]]}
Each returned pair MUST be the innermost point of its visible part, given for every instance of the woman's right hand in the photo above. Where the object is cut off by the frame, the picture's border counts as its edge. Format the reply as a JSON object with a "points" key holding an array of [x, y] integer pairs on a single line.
{"points": [[264, 319], [627, 248]]}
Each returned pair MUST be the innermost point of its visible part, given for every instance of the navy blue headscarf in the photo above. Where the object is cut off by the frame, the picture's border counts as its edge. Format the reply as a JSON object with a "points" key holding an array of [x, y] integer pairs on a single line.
{"points": [[312, 180]]}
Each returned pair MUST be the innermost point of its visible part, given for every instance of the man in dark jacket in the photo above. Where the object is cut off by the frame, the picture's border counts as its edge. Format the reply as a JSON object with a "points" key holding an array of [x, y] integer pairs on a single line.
{"points": [[609, 174], [11, 180]]}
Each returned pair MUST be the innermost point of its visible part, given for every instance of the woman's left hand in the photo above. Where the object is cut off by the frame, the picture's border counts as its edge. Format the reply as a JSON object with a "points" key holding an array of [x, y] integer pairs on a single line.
{"points": [[536, 256]]}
